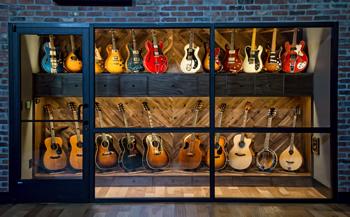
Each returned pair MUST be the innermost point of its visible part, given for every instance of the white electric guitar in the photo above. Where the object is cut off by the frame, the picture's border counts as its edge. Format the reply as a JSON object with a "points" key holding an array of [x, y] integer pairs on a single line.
{"points": [[252, 62], [291, 159], [240, 155], [190, 63]]}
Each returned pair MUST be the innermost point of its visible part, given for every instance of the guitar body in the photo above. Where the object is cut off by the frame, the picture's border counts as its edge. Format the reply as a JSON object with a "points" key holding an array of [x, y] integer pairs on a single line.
{"points": [[273, 61], [114, 61], [130, 158], [99, 68], [54, 158], [232, 61], [190, 63], [134, 59], [252, 62], [190, 160], [291, 160], [240, 156], [294, 59], [105, 157], [220, 154], [72, 63], [156, 157], [266, 160], [155, 64], [45, 61], [76, 153], [218, 65]]}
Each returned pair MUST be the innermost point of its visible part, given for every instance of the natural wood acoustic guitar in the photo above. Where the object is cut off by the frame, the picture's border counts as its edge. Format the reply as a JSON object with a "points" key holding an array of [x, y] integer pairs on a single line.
{"points": [[76, 141]]}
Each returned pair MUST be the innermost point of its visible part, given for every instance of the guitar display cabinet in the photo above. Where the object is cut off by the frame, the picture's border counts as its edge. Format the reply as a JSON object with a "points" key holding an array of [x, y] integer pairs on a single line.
{"points": [[268, 108]]}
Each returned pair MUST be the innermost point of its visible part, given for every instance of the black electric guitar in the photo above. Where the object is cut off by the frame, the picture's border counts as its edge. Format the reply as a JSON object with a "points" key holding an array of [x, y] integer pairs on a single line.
{"points": [[130, 158]]}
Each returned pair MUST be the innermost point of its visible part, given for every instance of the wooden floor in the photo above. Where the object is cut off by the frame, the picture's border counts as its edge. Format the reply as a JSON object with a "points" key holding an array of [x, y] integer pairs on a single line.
{"points": [[175, 210], [200, 191]]}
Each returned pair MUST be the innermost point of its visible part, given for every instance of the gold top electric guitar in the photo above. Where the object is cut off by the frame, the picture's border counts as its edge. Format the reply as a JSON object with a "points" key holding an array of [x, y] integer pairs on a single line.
{"points": [[114, 62]]}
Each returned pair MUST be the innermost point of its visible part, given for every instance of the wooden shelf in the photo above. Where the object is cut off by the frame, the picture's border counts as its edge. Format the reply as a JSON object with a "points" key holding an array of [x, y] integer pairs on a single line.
{"points": [[176, 84]]}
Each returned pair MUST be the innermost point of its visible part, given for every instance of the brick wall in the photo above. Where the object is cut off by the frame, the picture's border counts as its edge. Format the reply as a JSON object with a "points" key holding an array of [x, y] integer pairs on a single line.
{"points": [[187, 11]]}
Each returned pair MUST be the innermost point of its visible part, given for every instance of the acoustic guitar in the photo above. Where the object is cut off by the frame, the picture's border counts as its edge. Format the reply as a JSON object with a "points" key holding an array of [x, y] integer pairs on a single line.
{"points": [[232, 62], [130, 157], [105, 156], [241, 155], [114, 62], [99, 65], [273, 61], [217, 64], [155, 155], [294, 59], [190, 154], [220, 153], [252, 62], [73, 63], [51, 62], [76, 142], [155, 61], [266, 159], [190, 63], [291, 158], [134, 60], [54, 159]]}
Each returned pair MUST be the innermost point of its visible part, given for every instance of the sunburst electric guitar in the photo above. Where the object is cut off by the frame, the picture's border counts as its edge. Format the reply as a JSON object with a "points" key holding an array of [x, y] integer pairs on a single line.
{"points": [[105, 157], [190, 62], [291, 158], [252, 62], [241, 155], [206, 62], [130, 158], [220, 153], [266, 159], [54, 159], [273, 61], [76, 142], [114, 62], [232, 62], [190, 154], [73, 63], [155, 155]]}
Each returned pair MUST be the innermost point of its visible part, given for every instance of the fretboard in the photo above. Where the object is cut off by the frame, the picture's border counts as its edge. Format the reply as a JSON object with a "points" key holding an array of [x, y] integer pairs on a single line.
{"points": [[274, 39], [267, 138], [253, 46]]}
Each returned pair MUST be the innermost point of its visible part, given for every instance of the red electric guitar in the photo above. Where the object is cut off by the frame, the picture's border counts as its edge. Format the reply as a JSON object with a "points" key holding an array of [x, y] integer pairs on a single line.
{"points": [[155, 61], [232, 63], [294, 59]]}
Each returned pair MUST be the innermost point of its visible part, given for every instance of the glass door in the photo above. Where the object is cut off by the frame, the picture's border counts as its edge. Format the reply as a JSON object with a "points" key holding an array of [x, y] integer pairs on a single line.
{"points": [[49, 152]]}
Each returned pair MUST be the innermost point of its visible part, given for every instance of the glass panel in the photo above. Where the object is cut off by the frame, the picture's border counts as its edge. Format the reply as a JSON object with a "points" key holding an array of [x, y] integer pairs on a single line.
{"points": [[51, 154], [271, 165], [154, 165]]}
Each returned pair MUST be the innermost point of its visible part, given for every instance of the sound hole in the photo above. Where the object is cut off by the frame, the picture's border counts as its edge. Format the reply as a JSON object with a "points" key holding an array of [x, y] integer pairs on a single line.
{"points": [[155, 144], [218, 149], [80, 144], [53, 146], [241, 144], [291, 152], [105, 144]]}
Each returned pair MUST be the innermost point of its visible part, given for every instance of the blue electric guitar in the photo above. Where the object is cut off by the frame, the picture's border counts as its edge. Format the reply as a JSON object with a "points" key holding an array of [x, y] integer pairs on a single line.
{"points": [[51, 62], [134, 61]]}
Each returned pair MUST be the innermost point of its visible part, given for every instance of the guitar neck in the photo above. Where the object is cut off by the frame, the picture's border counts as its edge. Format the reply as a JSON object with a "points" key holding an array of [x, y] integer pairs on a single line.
{"points": [[77, 128], [114, 46], [253, 45], [191, 40], [274, 39], [295, 35], [232, 46], [219, 124], [52, 129], [267, 138], [133, 40], [126, 125], [154, 39], [72, 43], [293, 135], [245, 117]]}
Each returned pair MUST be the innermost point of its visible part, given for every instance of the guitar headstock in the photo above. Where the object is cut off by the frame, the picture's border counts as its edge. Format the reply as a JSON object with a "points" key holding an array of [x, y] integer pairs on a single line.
{"points": [[199, 105], [297, 111], [48, 110], [272, 112], [222, 107], [121, 107], [145, 106], [248, 106], [98, 107], [72, 106]]}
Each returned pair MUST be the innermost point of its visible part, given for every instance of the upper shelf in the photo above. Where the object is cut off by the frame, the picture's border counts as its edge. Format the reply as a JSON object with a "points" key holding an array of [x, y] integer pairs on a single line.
{"points": [[108, 85]]}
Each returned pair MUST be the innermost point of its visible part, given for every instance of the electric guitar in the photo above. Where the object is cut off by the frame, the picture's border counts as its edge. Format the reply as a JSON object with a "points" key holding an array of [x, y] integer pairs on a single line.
{"points": [[54, 159], [156, 157], [76, 142], [99, 68], [252, 62], [232, 62], [266, 159], [273, 61], [155, 61], [105, 156], [51, 62], [73, 63], [291, 159], [130, 158], [241, 155], [218, 65], [190, 62], [220, 153], [294, 59], [134, 59], [114, 62], [190, 154]]}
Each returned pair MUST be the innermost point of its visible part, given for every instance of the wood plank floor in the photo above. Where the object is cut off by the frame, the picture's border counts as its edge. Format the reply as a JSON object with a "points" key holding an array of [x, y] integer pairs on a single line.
{"points": [[175, 210], [200, 191]]}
